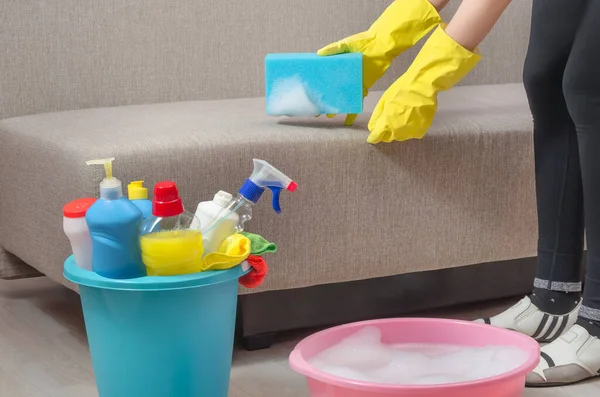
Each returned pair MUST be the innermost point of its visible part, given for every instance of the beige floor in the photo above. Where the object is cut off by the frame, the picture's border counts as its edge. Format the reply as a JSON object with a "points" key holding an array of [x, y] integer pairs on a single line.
{"points": [[43, 350]]}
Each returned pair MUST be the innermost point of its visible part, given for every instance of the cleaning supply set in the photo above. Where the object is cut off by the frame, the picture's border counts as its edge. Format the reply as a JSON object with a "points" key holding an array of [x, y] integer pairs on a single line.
{"points": [[125, 238], [153, 295]]}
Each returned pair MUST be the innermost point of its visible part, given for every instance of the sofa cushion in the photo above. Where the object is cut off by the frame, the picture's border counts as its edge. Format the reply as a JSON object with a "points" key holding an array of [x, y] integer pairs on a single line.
{"points": [[463, 195]]}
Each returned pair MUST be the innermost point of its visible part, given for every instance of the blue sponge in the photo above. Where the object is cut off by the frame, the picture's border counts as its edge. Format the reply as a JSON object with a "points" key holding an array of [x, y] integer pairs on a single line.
{"points": [[306, 84]]}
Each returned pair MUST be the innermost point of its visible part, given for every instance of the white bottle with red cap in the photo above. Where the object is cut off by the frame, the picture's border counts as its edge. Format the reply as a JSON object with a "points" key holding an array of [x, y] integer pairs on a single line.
{"points": [[76, 229]]}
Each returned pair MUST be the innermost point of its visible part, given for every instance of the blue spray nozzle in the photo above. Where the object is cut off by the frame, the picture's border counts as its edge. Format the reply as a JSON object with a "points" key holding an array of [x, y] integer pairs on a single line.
{"points": [[252, 192], [265, 176], [276, 193]]}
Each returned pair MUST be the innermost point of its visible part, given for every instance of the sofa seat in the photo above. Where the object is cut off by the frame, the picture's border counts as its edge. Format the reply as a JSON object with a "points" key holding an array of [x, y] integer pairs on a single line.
{"points": [[463, 195]]}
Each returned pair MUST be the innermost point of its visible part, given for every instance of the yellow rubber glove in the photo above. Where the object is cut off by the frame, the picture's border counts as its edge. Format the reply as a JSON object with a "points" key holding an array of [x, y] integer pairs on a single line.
{"points": [[401, 26], [406, 109]]}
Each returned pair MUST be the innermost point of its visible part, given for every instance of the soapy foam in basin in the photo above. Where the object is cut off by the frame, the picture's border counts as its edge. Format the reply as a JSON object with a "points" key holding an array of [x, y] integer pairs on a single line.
{"points": [[363, 357], [291, 97]]}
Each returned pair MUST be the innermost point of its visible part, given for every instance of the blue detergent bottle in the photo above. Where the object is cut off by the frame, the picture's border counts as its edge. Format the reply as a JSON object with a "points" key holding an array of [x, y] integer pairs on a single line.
{"points": [[138, 195], [115, 224]]}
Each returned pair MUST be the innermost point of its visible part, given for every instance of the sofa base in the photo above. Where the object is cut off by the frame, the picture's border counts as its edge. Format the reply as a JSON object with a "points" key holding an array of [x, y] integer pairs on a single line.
{"points": [[13, 268], [258, 342], [263, 314]]}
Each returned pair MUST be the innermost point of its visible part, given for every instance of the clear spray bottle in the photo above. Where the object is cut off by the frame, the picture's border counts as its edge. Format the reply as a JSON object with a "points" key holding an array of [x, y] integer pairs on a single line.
{"points": [[264, 176]]}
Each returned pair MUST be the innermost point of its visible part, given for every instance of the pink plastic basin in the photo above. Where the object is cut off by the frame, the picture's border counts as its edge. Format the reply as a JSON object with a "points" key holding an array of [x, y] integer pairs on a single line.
{"points": [[417, 330]]}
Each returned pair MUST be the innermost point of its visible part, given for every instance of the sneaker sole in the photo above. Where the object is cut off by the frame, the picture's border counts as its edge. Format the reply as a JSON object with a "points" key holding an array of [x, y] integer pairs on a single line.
{"points": [[557, 384]]}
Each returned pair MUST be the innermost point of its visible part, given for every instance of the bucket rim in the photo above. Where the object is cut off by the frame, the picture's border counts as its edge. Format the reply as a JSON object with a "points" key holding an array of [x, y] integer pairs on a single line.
{"points": [[88, 278]]}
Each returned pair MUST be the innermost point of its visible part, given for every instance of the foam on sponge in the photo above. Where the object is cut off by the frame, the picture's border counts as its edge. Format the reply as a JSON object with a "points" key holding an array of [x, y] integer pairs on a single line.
{"points": [[306, 84]]}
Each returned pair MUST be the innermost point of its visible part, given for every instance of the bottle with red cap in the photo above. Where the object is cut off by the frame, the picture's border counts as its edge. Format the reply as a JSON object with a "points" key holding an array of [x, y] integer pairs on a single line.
{"points": [[77, 230], [169, 246]]}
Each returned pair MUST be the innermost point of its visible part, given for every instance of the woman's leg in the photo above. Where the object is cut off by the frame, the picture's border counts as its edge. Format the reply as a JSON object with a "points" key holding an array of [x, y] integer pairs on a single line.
{"points": [[576, 355], [558, 175], [552, 308], [582, 91]]}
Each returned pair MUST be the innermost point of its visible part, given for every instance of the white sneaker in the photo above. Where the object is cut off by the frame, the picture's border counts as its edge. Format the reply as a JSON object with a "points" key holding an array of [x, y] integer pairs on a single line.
{"points": [[526, 318], [573, 357]]}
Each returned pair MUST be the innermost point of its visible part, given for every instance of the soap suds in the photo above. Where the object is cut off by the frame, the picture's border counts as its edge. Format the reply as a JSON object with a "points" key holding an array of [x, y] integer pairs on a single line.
{"points": [[364, 357], [291, 97]]}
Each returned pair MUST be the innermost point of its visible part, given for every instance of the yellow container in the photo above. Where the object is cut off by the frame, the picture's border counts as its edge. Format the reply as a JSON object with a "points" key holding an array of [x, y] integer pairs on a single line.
{"points": [[172, 252]]}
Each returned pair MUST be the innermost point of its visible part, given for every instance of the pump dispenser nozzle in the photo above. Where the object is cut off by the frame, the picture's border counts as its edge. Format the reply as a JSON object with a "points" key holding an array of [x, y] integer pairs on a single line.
{"points": [[110, 187]]}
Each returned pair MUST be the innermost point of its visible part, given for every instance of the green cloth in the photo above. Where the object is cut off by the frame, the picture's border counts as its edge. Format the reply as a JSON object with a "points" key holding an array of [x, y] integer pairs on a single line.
{"points": [[258, 245]]}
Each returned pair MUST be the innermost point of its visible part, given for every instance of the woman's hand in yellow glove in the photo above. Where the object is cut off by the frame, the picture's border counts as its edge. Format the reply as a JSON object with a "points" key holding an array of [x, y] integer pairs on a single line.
{"points": [[398, 28], [402, 113], [406, 109], [373, 67]]}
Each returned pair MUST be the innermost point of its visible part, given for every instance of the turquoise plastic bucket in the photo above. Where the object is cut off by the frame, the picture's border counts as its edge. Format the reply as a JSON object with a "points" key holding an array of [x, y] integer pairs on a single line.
{"points": [[160, 336]]}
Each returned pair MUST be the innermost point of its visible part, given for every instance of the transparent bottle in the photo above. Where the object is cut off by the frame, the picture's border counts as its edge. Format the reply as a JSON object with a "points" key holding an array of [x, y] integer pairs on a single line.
{"points": [[264, 176], [169, 245]]}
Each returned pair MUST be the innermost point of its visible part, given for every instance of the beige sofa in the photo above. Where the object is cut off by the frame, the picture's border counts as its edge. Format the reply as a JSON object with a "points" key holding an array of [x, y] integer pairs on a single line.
{"points": [[372, 230]]}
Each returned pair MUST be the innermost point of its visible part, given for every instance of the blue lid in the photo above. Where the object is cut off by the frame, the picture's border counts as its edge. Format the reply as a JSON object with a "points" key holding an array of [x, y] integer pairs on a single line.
{"points": [[251, 191], [149, 283]]}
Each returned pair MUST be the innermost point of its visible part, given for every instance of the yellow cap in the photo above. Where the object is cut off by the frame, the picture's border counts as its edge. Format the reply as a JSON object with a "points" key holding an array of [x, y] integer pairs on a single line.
{"points": [[137, 191]]}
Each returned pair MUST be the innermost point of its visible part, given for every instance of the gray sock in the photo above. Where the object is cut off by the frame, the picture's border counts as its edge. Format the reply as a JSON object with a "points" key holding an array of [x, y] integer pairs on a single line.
{"points": [[589, 315], [555, 302]]}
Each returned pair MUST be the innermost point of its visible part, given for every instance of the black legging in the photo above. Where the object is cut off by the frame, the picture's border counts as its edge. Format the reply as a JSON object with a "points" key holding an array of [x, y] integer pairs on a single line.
{"points": [[562, 79]]}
